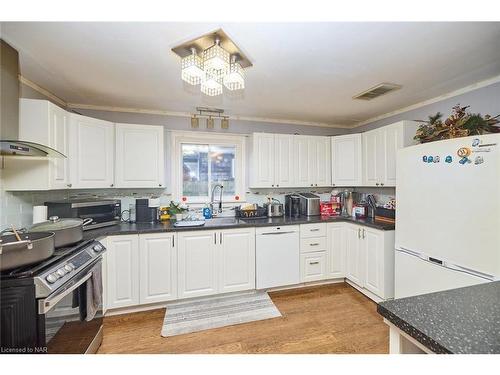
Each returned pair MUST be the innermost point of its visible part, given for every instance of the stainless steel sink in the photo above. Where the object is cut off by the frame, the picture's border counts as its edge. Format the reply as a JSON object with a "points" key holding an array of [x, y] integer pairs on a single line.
{"points": [[221, 221]]}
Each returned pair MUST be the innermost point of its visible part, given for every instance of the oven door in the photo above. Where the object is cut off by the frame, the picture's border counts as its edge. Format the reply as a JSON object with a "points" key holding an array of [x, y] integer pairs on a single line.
{"points": [[63, 316]]}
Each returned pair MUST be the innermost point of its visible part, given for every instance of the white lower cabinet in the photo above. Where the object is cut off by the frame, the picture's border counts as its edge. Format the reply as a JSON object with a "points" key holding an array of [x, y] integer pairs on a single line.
{"points": [[122, 271], [370, 260], [197, 267], [212, 262], [313, 266], [335, 254], [157, 267], [237, 260]]}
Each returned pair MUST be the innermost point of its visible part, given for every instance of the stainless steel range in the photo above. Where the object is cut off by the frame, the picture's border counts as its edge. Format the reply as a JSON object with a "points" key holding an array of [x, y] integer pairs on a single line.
{"points": [[54, 306]]}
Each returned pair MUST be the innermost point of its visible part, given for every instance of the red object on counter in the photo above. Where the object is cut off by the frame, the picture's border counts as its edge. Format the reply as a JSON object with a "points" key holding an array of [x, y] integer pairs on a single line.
{"points": [[329, 208]]}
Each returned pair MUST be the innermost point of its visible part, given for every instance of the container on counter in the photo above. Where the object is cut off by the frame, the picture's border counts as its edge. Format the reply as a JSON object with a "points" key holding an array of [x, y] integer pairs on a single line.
{"points": [[164, 213], [359, 210]]}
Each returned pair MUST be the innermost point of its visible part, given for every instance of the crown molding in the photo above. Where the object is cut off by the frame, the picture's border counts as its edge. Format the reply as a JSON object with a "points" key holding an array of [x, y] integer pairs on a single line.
{"points": [[25, 81], [439, 98], [189, 114]]}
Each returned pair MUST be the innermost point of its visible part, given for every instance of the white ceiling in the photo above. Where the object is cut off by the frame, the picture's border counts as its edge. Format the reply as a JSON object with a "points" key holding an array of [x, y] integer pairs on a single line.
{"points": [[302, 71]]}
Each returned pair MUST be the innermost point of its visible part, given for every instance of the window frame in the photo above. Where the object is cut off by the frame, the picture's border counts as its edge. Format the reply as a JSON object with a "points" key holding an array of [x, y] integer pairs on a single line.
{"points": [[218, 139]]}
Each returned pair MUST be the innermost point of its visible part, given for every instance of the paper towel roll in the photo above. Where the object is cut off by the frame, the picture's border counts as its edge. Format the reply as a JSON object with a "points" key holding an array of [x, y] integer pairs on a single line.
{"points": [[39, 214]]}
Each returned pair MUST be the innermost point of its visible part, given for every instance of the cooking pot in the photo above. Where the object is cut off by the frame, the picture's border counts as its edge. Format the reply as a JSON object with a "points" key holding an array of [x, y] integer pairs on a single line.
{"points": [[67, 231], [33, 248]]}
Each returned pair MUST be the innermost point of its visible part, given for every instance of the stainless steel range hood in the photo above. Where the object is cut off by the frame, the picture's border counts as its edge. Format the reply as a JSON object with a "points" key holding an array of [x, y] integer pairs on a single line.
{"points": [[10, 144]]}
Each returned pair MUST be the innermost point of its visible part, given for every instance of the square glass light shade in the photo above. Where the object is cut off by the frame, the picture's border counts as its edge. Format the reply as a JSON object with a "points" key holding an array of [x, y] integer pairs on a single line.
{"points": [[216, 58], [211, 84], [192, 69], [235, 78]]}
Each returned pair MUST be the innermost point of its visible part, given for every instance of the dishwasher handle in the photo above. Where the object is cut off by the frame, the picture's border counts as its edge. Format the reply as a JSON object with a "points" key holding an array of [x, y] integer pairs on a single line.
{"points": [[274, 233]]}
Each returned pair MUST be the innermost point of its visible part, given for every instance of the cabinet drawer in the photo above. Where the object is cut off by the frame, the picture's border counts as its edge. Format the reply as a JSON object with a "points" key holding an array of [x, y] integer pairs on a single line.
{"points": [[313, 230], [313, 266], [309, 245]]}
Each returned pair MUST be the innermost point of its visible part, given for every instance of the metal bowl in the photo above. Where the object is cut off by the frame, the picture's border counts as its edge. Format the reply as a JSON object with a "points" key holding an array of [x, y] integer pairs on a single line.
{"points": [[33, 248]]}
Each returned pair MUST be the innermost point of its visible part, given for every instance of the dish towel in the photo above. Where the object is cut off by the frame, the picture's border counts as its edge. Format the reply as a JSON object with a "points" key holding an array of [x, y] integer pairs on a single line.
{"points": [[94, 292]]}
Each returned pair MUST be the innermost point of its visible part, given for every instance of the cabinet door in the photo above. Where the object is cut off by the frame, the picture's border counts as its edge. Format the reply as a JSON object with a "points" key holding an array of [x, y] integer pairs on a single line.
{"points": [[92, 144], [122, 271], [346, 160], [373, 244], [158, 267], [301, 161], [319, 161], [335, 246], [197, 263], [312, 266], [284, 166], [354, 254], [263, 160], [372, 157], [139, 160], [236, 264], [59, 139], [393, 137]]}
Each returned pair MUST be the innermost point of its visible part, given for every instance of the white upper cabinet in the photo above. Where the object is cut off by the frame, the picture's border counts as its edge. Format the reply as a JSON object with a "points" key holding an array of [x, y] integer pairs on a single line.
{"points": [[301, 161], [347, 160], [42, 122], [319, 161], [379, 152], [284, 165], [92, 152], [263, 160], [139, 156]]}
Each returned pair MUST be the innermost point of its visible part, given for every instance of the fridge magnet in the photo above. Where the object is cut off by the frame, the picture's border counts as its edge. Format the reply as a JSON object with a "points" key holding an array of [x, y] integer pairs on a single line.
{"points": [[478, 160], [463, 152], [464, 160], [430, 159], [476, 142], [436, 159], [448, 159], [424, 159]]}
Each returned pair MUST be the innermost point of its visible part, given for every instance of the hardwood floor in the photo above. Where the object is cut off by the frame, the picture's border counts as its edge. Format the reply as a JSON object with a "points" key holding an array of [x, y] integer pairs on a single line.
{"points": [[333, 318]]}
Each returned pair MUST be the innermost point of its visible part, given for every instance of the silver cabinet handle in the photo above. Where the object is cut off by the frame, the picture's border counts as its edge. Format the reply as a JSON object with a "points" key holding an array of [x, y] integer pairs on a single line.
{"points": [[69, 185], [314, 262], [314, 230], [381, 184], [377, 184], [220, 238], [359, 232], [112, 185], [215, 238], [159, 185], [363, 234], [173, 240], [314, 244], [274, 233]]}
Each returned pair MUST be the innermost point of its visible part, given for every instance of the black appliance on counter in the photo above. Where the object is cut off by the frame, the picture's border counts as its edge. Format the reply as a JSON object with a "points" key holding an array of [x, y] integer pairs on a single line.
{"points": [[292, 205], [144, 213], [44, 307], [103, 212]]}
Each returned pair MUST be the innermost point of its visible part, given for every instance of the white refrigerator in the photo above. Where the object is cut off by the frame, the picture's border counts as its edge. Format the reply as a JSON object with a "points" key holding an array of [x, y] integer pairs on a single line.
{"points": [[447, 215]]}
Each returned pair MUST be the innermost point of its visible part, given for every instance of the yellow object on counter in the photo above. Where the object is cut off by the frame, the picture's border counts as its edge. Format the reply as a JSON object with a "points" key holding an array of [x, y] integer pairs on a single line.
{"points": [[164, 214]]}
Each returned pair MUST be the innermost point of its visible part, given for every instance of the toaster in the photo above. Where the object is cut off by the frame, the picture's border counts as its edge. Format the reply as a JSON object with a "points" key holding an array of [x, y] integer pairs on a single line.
{"points": [[309, 204]]}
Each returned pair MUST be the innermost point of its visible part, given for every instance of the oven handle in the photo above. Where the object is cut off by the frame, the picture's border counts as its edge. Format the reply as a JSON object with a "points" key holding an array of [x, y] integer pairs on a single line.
{"points": [[46, 304]]}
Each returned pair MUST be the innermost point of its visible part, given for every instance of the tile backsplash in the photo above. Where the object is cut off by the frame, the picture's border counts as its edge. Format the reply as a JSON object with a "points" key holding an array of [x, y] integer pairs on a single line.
{"points": [[16, 208]]}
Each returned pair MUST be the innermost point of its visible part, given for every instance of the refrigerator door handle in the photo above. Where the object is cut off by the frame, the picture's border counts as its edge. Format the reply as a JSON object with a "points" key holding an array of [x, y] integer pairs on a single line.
{"points": [[412, 252], [456, 267]]}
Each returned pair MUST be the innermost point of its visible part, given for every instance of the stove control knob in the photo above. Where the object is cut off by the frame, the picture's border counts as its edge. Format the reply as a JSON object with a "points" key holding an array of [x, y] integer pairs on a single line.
{"points": [[97, 248], [71, 265], [68, 268], [52, 278], [61, 272]]}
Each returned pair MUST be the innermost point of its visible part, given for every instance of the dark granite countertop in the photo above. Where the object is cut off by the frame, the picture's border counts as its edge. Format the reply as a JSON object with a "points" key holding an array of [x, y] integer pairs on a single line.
{"points": [[227, 223], [464, 320]]}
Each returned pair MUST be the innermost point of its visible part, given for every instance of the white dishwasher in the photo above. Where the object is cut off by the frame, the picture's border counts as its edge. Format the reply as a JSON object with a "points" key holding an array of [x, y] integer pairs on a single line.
{"points": [[277, 256]]}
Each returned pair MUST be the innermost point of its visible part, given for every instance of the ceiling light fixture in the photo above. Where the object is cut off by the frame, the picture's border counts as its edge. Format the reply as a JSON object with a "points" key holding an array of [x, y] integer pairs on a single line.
{"points": [[216, 66], [192, 68]]}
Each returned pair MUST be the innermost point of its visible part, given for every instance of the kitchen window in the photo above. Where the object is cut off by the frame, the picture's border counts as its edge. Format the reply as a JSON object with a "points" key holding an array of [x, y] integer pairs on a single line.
{"points": [[204, 160]]}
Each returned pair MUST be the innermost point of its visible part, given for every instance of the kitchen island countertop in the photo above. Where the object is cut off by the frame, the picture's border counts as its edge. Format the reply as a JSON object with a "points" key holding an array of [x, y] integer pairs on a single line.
{"points": [[464, 320]]}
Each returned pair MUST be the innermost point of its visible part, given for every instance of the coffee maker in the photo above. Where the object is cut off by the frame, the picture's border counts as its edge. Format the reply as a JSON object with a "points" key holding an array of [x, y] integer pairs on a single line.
{"points": [[144, 213], [292, 205]]}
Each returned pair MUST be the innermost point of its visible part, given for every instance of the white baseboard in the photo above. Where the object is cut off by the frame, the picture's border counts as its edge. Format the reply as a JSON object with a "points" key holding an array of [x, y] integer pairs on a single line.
{"points": [[366, 292]]}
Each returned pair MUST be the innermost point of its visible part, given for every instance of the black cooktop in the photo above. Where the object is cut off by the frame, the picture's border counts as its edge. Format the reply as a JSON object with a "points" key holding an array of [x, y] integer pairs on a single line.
{"points": [[31, 270]]}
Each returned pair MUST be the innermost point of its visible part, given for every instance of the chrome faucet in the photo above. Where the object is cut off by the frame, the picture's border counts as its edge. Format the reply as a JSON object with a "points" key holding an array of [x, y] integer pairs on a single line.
{"points": [[219, 210]]}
